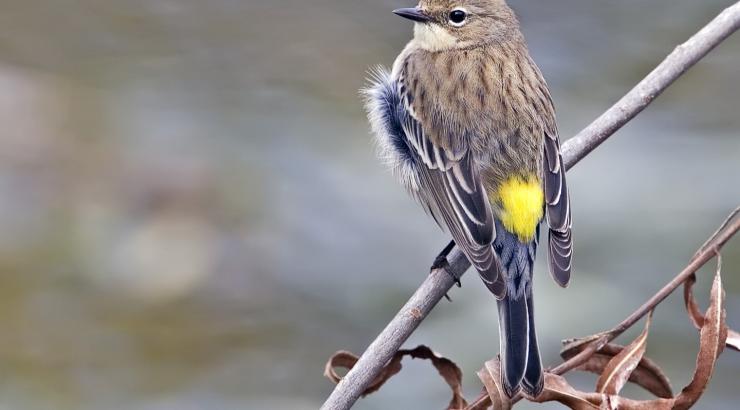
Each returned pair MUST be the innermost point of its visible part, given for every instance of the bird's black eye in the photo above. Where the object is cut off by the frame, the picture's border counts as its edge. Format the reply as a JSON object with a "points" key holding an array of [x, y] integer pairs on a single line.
{"points": [[458, 17]]}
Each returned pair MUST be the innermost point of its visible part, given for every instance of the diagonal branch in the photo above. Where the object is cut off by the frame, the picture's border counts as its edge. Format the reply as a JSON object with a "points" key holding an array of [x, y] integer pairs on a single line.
{"points": [[439, 282]]}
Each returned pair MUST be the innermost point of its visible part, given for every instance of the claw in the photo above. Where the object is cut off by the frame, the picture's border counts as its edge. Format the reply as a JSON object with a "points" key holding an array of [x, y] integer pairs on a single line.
{"points": [[440, 262]]}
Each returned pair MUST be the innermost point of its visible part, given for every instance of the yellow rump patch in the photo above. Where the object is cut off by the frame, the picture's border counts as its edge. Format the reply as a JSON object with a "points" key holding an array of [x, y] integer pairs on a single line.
{"points": [[522, 206]]}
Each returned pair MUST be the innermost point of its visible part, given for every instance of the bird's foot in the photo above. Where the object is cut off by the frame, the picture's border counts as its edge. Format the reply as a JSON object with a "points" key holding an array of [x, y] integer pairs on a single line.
{"points": [[440, 262]]}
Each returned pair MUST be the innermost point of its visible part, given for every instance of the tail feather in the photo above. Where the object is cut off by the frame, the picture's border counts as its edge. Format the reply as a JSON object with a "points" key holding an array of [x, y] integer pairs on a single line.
{"points": [[514, 333], [534, 380], [520, 356]]}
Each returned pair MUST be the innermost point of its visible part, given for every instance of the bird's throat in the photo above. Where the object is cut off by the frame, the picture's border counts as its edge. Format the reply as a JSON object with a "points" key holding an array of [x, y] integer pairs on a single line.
{"points": [[432, 37]]}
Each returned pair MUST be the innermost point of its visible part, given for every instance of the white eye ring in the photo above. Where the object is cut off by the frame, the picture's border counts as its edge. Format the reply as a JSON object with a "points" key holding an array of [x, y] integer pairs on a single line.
{"points": [[458, 17]]}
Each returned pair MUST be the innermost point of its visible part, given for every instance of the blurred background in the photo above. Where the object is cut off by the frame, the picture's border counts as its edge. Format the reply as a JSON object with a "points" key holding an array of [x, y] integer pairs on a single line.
{"points": [[192, 215]]}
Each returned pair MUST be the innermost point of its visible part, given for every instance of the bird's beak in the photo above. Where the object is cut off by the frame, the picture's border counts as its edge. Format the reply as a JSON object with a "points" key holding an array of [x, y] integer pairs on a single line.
{"points": [[413, 13]]}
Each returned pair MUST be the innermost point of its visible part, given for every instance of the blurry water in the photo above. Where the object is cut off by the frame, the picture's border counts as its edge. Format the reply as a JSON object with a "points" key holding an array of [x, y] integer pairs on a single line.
{"points": [[191, 214]]}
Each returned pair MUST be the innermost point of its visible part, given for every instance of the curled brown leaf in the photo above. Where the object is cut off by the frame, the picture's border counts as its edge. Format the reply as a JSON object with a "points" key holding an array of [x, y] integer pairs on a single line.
{"points": [[449, 371], [647, 375], [697, 317], [692, 308], [347, 360], [713, 336], [557, 389], [490, 375], [622, 403], [572, 347], [620, 367]]}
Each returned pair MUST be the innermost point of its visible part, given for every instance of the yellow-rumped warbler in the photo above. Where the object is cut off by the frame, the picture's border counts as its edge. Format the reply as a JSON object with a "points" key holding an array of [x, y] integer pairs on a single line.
{"points": [[466, 121]]}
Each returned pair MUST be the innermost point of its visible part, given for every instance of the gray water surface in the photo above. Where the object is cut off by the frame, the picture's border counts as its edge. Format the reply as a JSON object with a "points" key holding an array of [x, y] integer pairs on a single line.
{"points": [[192, 215]]}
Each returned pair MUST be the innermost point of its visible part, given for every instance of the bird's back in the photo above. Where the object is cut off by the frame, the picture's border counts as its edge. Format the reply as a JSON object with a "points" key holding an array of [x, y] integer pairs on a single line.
{"points": [[493, 99]]}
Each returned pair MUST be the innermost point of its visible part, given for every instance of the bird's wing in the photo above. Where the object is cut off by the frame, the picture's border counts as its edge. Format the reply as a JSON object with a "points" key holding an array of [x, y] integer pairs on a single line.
{"points": [[558, 211], [451, 189]]}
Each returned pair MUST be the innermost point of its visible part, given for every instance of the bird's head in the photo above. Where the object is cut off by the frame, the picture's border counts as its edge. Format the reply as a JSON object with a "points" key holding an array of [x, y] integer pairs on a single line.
{"points": [[453, 24]]}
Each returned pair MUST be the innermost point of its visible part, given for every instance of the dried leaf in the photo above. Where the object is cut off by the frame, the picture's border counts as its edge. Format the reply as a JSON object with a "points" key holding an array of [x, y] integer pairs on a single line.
{"points": [[557, 389], [446, 368], [340, 359], [713, 336], [647, 375], [697, 317], [620, 368], [347, 360], [572, 347], [622, 403], [490, 375]]}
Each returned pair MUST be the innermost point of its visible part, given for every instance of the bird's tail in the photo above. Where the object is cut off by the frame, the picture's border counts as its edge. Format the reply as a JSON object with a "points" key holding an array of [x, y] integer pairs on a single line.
{"points": [[520, 355]]}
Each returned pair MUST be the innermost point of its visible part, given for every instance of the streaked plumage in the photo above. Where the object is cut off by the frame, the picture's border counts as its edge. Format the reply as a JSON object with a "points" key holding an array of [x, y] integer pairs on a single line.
{"points": [[466, 122]]}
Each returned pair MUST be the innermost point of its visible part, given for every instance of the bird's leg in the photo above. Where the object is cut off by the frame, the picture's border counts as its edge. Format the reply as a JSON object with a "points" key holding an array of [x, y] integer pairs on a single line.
{"points": [[440, 262]]}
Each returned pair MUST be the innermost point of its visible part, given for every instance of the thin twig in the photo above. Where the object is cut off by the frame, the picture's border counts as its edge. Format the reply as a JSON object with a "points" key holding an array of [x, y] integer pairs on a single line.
{"points": [[438, 283], [708, 251], [716, 233]]}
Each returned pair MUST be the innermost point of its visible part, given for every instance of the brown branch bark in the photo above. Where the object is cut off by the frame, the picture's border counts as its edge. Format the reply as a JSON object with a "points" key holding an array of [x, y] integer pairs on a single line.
{"points": [[439, 282]]}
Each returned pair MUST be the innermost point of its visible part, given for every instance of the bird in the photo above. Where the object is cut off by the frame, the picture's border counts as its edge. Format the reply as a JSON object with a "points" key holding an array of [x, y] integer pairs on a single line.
{"points": [[466, 123]]}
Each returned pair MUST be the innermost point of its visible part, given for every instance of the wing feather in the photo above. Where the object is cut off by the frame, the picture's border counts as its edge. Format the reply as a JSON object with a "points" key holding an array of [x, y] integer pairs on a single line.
{"points": [[442, 176], [455, 195], [560, 239]]}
